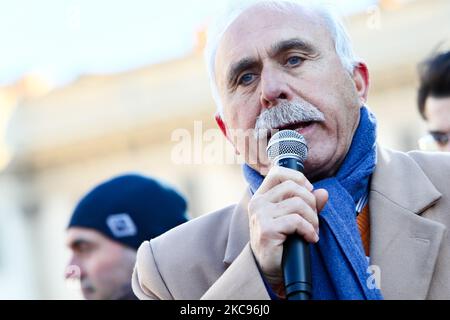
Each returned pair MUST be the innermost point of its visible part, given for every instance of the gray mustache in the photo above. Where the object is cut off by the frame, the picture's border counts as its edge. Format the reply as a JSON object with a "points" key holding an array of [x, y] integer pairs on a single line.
{"points": [[286, 113]]}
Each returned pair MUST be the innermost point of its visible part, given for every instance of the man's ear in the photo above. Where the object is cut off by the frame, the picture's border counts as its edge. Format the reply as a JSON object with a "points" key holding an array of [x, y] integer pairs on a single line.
{"points": [[223, 128], [221, 124], [361, 79]]}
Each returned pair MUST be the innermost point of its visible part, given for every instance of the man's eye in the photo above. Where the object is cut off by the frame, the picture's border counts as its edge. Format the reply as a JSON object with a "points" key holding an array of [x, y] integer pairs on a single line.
{"points": [[84, 248], [294, 61], [246, 79]]}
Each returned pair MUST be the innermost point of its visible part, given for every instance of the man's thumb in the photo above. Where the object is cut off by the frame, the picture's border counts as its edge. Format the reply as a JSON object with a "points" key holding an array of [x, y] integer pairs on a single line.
{"points": [[321, 198]]}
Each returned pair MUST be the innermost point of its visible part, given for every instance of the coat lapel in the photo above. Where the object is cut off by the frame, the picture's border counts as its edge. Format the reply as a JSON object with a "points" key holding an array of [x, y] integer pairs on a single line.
{"points": [[239, 234], [404, 245]]}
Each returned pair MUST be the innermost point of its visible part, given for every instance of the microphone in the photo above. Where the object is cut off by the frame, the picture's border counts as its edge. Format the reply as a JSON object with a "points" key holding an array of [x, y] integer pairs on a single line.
{"points": [[288, 149]]}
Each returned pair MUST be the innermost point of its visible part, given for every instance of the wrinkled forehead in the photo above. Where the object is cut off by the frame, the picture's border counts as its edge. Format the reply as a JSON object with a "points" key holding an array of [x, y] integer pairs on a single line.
{"points": [[259, 28]]}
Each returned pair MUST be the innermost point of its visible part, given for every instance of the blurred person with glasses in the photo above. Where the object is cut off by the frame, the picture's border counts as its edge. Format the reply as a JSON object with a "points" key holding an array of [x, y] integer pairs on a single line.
{"points": [[434, 102]]}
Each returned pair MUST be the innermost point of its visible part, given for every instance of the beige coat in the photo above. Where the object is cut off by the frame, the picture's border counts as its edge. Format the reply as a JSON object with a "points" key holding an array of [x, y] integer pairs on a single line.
{"points": [[409, 201]]}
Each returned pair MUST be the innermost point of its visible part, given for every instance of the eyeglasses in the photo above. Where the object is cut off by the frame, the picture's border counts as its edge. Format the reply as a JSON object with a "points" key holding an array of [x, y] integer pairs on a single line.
{"points": [[433, 140]]}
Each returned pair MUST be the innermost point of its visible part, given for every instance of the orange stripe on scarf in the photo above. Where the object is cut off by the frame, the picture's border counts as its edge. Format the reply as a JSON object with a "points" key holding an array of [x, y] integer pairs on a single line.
{"points": [[364, 228]]}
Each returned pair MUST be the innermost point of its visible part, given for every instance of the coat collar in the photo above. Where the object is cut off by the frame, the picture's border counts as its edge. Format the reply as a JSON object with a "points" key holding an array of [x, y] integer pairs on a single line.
{"points": [[404, 245]]}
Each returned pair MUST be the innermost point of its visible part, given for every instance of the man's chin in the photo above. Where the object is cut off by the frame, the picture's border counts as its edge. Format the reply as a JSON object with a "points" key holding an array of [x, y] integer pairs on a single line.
{"points": [[259, 163], [89, 294], [264, 169], [257, 167], [318, 168]]}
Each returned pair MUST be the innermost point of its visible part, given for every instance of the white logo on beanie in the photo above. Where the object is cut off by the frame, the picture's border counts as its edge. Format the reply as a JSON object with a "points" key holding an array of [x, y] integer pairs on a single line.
{"points": [[121, 225]]}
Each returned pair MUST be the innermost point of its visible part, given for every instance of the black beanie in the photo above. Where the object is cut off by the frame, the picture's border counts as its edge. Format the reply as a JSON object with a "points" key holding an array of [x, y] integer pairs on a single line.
{"points": [[130, 209]]}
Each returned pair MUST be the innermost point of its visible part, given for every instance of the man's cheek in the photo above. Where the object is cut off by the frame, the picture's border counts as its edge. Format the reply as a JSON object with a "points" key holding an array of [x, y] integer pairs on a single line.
{"points": [[97, 269]]}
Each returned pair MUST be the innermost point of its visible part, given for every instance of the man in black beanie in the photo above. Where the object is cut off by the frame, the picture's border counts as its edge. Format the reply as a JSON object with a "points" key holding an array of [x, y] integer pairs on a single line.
{"points": [[109, 224]]}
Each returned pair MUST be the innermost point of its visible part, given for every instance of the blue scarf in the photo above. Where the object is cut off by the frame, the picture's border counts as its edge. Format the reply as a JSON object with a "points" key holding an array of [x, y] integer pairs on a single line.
{"points": [[339, 264]]}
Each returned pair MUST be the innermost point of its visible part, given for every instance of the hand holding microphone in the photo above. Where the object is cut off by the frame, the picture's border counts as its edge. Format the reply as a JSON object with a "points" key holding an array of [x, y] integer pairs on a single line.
{"points": [[284, 205]]}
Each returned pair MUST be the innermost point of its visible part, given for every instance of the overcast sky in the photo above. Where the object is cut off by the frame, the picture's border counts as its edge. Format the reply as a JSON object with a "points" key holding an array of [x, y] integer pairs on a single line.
{"points": [[62, 39]]}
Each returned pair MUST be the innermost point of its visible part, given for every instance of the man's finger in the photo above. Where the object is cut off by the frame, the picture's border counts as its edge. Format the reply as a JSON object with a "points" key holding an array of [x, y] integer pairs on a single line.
{"points": [[321, 198], [278, 175]]}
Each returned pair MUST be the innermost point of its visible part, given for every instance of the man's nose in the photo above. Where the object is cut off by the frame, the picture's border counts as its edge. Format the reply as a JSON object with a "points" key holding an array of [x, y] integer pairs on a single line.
{"points": [[273, 88]]}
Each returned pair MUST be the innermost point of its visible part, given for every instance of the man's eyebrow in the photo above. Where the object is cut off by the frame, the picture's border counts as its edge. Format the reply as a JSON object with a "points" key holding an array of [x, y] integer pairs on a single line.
{"points": [[78, 242], [282, 46], [291, 44], [239, 66]]}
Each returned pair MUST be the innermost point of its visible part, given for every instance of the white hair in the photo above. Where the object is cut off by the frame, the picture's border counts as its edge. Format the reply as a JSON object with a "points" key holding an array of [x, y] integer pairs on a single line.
{"points": [[332, 21]]}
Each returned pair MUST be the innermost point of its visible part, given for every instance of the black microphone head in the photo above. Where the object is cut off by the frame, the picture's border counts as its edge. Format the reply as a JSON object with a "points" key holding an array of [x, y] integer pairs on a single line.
{"points": [[287, 144]]}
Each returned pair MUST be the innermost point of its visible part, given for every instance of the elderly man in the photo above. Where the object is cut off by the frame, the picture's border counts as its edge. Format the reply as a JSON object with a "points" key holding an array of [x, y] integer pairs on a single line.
{"points": [[109, 224], [366, 211], [434, 101]]}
